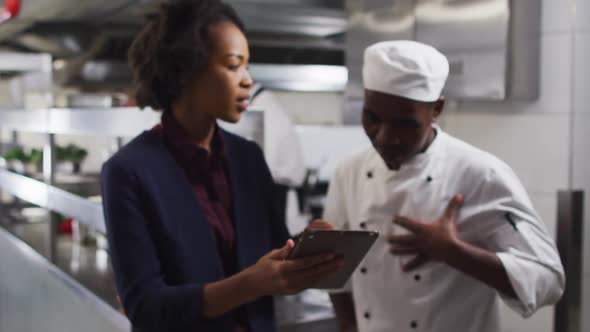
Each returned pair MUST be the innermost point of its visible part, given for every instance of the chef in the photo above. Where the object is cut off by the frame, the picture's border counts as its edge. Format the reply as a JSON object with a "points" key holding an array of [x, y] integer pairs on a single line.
{"points": [[458, 232]]}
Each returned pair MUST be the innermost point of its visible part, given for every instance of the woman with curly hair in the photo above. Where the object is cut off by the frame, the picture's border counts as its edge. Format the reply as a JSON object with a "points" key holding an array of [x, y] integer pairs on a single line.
{"points": [[189, 207]]}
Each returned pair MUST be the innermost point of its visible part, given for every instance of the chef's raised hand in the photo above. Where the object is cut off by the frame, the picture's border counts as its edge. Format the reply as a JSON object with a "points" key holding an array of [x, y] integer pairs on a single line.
{"points": [[428, 241]]}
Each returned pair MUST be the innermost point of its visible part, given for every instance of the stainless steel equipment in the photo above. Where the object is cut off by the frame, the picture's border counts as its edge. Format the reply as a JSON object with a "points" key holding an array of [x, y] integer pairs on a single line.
{"points": [[474, 37], [37, 296], [29, 77], [492, 45], [570, 232]]}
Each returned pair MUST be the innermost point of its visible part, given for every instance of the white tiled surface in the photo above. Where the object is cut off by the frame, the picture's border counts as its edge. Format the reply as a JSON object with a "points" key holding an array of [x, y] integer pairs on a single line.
{"points": [[555, 85], [535, 146], [312, 107], [565, 15], [582, 15], [5, 95], [541, 321], [581, 151], [581, 135], [556, 15], [582, 71]]}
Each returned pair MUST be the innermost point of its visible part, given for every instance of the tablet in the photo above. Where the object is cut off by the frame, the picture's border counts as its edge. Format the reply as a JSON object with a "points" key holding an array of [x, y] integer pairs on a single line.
{"points": [[352, 245]]}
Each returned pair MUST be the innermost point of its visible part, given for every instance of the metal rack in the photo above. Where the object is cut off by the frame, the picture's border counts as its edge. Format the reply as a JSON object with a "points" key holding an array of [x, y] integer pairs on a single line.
{"points": [[115, 122], [118, 123], [52, 198], [48, 191]]}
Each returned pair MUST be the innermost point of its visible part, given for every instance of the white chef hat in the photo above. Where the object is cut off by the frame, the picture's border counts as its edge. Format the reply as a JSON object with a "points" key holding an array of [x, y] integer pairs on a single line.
{"points": [[405, 68]]}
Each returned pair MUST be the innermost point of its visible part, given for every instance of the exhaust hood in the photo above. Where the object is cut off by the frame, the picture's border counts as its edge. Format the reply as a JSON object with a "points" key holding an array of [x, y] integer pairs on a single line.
{"points": [[492, 45]]}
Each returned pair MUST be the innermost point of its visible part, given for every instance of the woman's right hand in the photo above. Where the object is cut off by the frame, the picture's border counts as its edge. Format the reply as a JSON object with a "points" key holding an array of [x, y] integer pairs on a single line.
{"points": [[273, 274]]}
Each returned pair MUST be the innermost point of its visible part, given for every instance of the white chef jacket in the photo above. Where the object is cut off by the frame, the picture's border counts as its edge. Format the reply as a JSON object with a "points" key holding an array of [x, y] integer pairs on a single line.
{"points": [[282, 148], [497, 215]]}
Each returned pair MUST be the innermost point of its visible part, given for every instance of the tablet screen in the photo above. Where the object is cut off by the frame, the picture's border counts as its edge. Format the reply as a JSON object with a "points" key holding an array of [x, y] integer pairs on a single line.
{"points": [[351, 245]]}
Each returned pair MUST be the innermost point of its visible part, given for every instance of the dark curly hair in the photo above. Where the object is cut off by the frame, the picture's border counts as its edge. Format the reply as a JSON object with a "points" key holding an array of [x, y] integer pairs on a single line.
{"points": [[173, 46]]}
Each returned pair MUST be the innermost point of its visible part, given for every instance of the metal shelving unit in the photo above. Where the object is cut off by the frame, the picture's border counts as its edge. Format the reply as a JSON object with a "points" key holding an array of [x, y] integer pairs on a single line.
{"points": [[47, 191], [116, 122], [52, 198]]}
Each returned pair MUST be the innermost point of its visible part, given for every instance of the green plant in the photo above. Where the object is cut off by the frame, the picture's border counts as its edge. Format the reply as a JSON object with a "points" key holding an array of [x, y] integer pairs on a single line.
{"points": [[36, 156], [60, 153], [75, 153], [80, 154], [71, 152], [17, 153]]}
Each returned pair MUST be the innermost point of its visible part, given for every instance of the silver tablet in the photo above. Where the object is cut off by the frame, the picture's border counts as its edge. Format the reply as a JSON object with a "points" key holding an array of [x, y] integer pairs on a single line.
{"points": [[352, 245]]}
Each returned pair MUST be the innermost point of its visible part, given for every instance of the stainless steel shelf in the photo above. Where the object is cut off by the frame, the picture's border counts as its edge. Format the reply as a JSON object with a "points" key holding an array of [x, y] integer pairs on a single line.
{"points": [[53, 198], [117, 122], [25, 62]]}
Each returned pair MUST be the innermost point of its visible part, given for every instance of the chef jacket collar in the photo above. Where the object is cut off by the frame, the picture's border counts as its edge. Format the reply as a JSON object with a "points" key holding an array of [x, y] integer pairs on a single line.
{"points": [[376, 165]]}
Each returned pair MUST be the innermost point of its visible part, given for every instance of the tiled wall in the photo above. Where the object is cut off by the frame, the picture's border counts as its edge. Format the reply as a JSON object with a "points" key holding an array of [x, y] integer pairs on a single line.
{"points": [[313, 108], [535, 137], [581, 134]]}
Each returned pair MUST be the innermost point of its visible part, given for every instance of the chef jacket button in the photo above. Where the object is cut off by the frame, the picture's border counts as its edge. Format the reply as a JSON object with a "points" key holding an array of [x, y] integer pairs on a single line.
{"points": [[363, 270], [429, 179], [363, 225], [367, 315], [414, 324], [417, 277], [369, 174]]}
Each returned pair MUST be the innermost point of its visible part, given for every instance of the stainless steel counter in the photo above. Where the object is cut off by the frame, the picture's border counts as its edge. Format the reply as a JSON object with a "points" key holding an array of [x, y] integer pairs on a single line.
{"points": [[37, 296]]}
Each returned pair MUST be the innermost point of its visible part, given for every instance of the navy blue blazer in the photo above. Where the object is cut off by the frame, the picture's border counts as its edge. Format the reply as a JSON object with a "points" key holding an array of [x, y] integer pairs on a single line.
{"points": [[162, 249]]}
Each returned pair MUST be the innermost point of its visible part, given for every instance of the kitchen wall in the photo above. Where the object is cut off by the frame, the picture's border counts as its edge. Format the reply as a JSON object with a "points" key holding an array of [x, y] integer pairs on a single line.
{"points": [[544, 141], [580, 170], [318, 108]]}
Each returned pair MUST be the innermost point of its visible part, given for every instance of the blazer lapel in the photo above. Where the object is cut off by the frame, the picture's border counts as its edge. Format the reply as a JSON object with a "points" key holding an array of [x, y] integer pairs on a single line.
{"points": [[247, 213], [179, 187]]}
